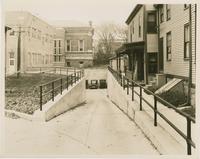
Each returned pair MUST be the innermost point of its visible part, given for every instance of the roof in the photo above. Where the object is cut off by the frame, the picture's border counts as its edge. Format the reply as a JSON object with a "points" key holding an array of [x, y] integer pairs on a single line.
{"points": [[133, 13]]}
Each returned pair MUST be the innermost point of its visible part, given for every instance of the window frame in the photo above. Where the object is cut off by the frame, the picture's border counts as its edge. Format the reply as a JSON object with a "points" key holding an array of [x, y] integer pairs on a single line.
{"points": [[161, 16], [68, 45], [187, 25], [168, 12], [167, 42], [79, 48], [151, 26], [139, 27]]}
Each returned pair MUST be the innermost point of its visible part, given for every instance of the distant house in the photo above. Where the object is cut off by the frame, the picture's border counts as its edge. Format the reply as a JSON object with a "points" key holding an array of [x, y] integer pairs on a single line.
{"points": [[161, 42], [79, 46], [142, 47], [29, 42]]}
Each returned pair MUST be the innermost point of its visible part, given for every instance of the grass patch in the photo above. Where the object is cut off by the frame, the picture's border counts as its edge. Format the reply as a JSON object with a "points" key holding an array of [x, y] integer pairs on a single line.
{"points": [[22, 94]]}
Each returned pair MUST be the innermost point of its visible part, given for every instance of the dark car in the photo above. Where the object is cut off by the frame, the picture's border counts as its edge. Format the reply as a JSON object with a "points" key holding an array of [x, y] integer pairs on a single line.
{"points": [[102, 83], [93, 84]]}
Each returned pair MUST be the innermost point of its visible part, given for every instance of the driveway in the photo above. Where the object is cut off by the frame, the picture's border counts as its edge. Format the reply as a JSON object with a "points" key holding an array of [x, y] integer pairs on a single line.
{"points": [[95, 128]]}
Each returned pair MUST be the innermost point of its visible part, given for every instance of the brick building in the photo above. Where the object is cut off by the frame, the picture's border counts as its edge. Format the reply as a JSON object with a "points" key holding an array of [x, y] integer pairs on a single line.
{"points": [[33, 36], [79, 46]]}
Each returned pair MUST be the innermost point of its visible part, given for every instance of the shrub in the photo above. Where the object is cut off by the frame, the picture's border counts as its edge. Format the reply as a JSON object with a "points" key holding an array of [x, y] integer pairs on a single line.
{"points": [[176, 98]]}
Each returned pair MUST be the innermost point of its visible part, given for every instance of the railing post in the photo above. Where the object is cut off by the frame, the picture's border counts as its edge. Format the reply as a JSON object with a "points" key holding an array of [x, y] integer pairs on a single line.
{"points": [[40, 98], [127, 86], [123, 82], [189, 152], [155, 111], [75, 76], [67, 82], [121, 77], [140, 98], [53, 91], [71, 80], [132, 91], [60, 70], [61, 86]]}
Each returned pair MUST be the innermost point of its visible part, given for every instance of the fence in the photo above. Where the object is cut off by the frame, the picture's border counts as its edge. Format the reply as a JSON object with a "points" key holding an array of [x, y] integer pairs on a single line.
{"points": [[49, 90], [59, 70], [129, 84]]}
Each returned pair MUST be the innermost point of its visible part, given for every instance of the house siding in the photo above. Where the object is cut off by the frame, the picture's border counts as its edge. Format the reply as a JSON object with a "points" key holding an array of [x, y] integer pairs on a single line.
{"points": [[193, 21], [179, 18], [135, 22]]}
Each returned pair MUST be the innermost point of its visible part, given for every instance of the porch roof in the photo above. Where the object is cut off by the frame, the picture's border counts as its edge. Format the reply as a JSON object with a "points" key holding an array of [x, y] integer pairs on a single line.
{"points": [[126, 47]]}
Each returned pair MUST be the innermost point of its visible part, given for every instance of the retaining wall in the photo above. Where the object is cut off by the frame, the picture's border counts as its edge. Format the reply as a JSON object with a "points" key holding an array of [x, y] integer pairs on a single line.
{"points": [[69, 99], [163, 137]]}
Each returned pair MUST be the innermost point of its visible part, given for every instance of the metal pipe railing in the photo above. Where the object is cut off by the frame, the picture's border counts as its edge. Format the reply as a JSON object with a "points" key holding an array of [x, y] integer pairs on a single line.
{"points": [[58, 86], [187, 137]]}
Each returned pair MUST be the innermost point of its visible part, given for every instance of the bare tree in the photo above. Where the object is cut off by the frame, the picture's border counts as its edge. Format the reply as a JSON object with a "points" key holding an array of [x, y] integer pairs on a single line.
{"points": [[108, 34]]}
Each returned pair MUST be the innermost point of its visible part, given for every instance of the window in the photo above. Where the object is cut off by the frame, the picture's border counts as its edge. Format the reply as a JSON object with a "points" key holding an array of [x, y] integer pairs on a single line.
{"points": [[139, 27], [11, 54], [55, 51], [186, 6], [68, 45], [59, 58], [133, 27], [161, 14], [54, 58], [151, 24], [12, 33], [68, 64], [11, 62], [186, 41], [81, 62], [130, 37], [59, 51], [54, 43], [59, 43], [169, 44], [168, 12], [81, 45]]}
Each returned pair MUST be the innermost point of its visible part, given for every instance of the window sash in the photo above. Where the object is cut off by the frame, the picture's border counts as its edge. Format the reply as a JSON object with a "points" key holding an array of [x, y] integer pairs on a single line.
{"points": [[169, 42], [186, 41]]}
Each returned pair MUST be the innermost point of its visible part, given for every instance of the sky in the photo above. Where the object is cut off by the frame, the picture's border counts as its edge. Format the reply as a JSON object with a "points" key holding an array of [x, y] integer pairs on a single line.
{"points": [[98, 11]]}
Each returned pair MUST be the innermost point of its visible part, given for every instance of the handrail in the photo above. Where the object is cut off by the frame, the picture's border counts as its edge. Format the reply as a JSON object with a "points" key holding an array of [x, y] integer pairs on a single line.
{"points": [[63, 84], [122, 79]]}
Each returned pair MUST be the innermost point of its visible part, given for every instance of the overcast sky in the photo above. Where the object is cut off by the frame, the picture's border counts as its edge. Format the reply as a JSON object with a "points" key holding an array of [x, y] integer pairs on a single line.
{"points": [[79, 10]]}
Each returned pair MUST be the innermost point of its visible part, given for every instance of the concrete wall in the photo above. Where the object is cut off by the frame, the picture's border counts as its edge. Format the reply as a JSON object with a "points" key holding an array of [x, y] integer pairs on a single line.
{"points": [[162, 136], [62, 103]]}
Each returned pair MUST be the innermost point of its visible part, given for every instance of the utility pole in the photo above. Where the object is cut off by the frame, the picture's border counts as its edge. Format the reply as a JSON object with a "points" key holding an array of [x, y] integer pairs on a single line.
{"points": [[19, 52]]}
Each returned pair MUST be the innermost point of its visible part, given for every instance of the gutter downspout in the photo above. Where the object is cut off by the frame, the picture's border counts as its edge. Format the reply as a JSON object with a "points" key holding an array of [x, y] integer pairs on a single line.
{"points": [[190, 58], [158, 34]]}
